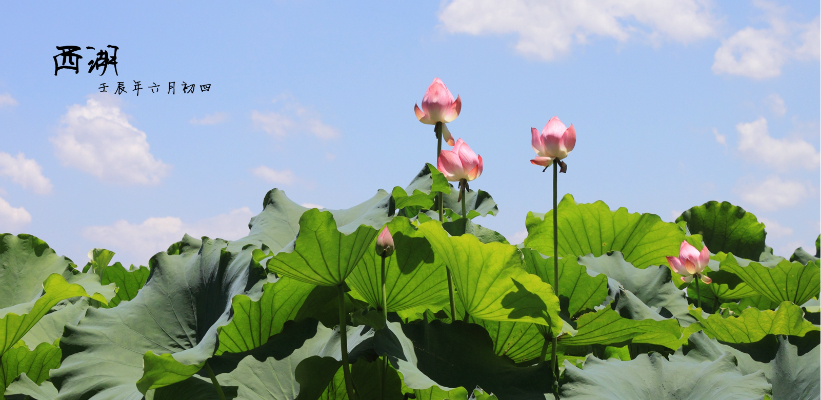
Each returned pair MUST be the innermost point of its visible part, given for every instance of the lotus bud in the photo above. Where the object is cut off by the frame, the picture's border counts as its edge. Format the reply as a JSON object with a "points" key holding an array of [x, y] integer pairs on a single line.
{"points": [[690, 263], [460, 163], [384, 243], [555, 142], [438, 105]]}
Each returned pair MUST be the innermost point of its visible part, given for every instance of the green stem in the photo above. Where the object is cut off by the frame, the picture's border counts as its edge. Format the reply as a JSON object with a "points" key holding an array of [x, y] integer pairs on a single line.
{"points": [[385, 315], [544, 348], [438, 129], [462, 186], [555, 275], [214, 381], [343, 342], [698, 293]]}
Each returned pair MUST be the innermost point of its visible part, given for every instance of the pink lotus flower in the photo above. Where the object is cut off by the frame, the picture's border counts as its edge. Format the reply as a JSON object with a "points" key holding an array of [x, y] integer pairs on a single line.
{"points": [[460, 163], [438, 105], [384, 243], [690, 263], [554, 142]]}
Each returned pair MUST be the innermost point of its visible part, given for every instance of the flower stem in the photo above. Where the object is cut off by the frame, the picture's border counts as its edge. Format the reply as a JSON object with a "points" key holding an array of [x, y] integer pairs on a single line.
{"points": [[343, 342], [214, 381], [698, 293], [385, 315], [462, 186], [554, 359], [438, 129], [544, 348]]}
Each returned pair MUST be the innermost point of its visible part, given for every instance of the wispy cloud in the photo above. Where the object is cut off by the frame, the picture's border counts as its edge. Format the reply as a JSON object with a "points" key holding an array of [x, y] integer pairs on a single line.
{"points": [[7, 101], [12, 219], [283, 177], [292, 118], [549, 29], [210, 119], [135, 243], [761, 53], [97, 138], [773, 193], [755, 142], [721, 139], [25, 172], [776, 104]]}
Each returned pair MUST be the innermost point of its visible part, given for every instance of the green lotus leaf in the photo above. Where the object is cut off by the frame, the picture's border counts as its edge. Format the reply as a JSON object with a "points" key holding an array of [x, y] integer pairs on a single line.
{"points": [[459, 226], [99, 259], [435, 393], [652, 285], [415, 201], [255, 321], [753, 324], [25, 262], [726, 228], [517, 340], [50, 327], [786, 281], [195, 388], [456, 355], [653, 377], [413, 276], [802, 256], [321, 254], [24, 386], [579, 290], [128, 283], [584, 229], [367, 378], [793, 370], [187, 297], [278, 223], [34, 363], [491, 281], [607, 327], [14, 326], [163, 370], [478, 203]]}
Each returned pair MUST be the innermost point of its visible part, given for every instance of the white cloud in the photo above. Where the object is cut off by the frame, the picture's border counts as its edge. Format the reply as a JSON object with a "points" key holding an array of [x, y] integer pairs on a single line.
{"points": [[284, 177], [549, 28], [293, 117], [311, 205], [774, 229], [719, 137], [136, 243], [772, 194], [674, 214], [12, 219], [761, 53], [776, 104], [755, 142], [7, 101], [98, 139], [518, 237], [210, 119], [25, 172]]}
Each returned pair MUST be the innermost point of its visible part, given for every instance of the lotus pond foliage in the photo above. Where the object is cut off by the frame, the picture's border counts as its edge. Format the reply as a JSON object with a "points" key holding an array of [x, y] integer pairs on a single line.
{"points": [[406, 296]]}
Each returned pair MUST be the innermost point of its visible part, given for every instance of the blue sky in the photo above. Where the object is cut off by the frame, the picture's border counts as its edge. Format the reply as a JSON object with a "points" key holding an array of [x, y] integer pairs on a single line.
{"points": [[675, 103]]}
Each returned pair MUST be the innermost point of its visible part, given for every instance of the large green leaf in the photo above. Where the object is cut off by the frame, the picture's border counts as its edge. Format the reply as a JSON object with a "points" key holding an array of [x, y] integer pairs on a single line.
{"points": [[128, 282], [652, 285], [50, 327], [584, 229], [478, 203], [278, 223], [367, 379], [255, 321], [24, 386], [423, 189], [14, 326], [786, 281], [34, 363], [491, 281], [793, 370], [413, 277], [579, 291], [98, 261], [653, 377], [518, 340], [321, 254], [728, 228], [25, 262], [753, 324], [187, 297], [607, 327], [457, 355]]}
